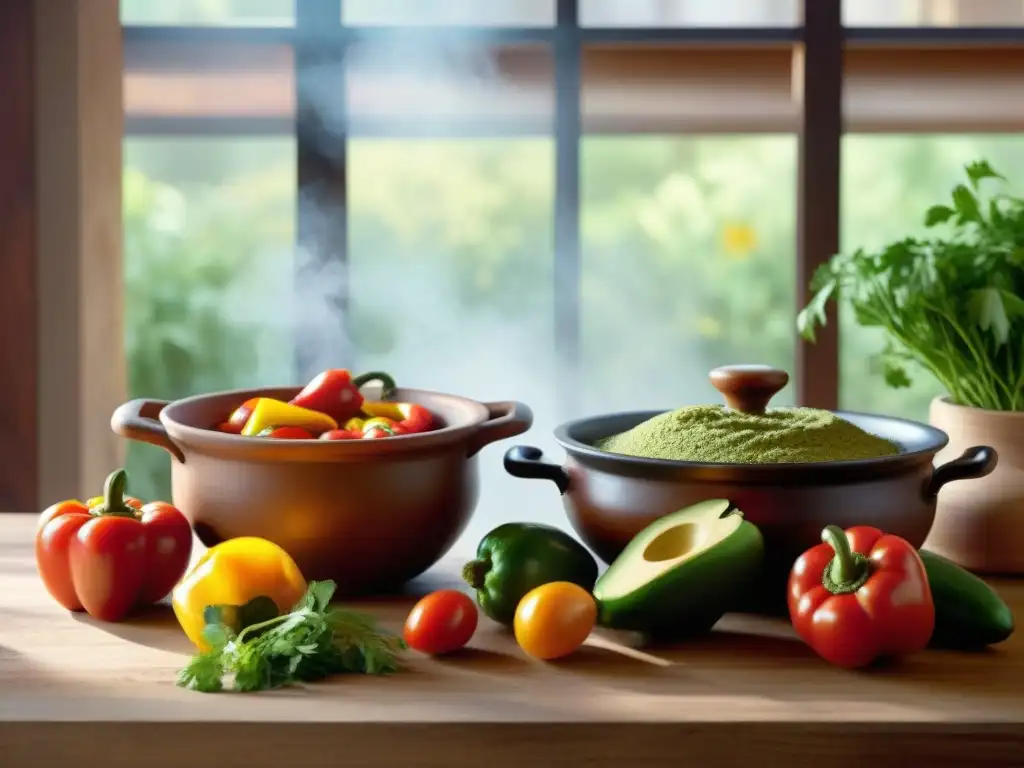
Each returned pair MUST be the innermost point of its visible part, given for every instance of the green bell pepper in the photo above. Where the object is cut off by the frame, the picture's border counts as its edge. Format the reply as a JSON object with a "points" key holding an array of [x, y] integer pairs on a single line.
{"points": [[515, 558]]}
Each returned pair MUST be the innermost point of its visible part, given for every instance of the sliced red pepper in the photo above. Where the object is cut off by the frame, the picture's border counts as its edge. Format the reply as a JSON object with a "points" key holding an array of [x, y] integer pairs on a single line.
{"points": [[861, 595], [242, 413], [411, 417], [378, 430], [336, 393], [287, 433], [110, 558], [341, 434], [229, 428]]}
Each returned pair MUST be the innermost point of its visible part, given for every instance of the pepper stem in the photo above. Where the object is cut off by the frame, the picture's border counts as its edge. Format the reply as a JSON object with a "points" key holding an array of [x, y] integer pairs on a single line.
{"points": [[387, 383], [848, 570], [113, 496], [475, 571]]}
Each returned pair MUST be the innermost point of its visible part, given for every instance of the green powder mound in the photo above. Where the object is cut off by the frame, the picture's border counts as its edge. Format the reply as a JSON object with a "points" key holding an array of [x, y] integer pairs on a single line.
{"points": [[713, 434]]}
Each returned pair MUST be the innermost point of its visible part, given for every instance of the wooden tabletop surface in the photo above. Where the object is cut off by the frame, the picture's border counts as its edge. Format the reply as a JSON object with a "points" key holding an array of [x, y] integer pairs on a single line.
{"points": [[69, 684]]}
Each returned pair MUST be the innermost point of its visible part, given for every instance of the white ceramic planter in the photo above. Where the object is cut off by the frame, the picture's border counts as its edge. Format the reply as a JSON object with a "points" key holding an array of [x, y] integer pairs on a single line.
{"points": [[980, 525]]}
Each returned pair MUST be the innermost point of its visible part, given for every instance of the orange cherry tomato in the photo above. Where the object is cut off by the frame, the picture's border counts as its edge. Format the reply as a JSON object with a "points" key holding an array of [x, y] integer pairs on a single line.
{"points": [[441, 622], [553, 620]]}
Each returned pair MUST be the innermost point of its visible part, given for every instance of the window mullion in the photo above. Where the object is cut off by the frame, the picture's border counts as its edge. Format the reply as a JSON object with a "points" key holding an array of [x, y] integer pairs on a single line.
{"points": [[568, 87], [321, 223], [820, 76]]}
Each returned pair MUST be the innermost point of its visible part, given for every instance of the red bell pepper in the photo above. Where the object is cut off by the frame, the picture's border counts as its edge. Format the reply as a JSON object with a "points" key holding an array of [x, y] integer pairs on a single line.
{"points": [[336, 393], [111, 558], [860, 595], [411, 417]]}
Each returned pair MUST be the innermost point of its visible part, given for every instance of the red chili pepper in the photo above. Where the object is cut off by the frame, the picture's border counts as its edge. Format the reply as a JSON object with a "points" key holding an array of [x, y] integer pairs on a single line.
{"points": [[336, 393], [111, 558], [341, 434], [411, 417], [287, 433], [860, 595]]}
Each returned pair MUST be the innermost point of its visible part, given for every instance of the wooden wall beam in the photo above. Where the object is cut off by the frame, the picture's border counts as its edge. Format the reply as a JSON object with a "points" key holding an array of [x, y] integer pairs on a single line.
{"points": [[19, 204], [79, 125]]}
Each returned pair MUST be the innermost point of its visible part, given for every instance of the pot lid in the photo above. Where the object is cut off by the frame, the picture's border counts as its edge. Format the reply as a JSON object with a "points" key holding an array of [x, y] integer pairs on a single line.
{"points": [[745, 431]]}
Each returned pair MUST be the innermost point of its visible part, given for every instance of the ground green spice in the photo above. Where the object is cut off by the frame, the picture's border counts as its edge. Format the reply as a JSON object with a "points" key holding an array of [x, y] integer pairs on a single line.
{"points": [[713, 434]]}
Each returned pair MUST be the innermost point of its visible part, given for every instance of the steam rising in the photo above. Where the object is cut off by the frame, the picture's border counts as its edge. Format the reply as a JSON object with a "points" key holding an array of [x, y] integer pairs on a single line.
{"points": [[437, 343]]}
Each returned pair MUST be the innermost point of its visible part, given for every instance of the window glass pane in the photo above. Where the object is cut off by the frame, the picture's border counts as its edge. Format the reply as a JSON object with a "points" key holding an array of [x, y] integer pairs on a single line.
{"points": [[688, 13], [688, 264], [209, 233], [692, 90], [527, 13], [933, 13], [888, 184], [208, 12], [451, 285], [454, 89], [182, 80]]}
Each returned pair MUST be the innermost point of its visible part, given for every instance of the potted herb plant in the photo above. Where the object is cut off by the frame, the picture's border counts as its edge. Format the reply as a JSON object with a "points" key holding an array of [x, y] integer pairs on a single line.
{"points": [[953, 302]]}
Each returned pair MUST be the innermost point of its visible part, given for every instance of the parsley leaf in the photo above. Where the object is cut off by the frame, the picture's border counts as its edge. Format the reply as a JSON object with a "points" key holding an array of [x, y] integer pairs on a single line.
{"points": [[311, 642], [951, 304]]}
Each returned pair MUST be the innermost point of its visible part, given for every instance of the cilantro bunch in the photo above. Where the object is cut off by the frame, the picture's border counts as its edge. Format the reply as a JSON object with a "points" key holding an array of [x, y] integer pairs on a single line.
{"points": [[310, 643], [953, 302]]}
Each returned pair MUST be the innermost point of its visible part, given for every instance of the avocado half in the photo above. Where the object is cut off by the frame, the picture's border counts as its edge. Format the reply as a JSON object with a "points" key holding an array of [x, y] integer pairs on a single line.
{"points": [[682, 573]]}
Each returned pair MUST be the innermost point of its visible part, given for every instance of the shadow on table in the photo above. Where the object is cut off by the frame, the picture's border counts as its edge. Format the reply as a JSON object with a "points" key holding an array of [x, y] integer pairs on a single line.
{"points": [[153, 626], [21, 674]]}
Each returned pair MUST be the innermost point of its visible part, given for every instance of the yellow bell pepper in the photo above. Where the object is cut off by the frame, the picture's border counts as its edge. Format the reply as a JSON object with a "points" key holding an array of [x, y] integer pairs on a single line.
{"points": [[233, 573], [275, 413]]}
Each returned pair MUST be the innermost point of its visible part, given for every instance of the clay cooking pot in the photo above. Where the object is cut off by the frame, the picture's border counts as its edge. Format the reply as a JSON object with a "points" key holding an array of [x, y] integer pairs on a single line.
{"points": [[609, 498], [370, 514]]}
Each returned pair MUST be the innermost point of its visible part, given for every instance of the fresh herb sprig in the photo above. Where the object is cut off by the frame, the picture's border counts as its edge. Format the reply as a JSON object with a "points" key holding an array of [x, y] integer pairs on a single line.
{"points": [[951, 303], [310, 643]]}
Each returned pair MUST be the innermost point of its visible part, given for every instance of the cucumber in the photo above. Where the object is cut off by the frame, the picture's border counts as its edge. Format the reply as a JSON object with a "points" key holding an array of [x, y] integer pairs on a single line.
{"points": [[968, 612]]}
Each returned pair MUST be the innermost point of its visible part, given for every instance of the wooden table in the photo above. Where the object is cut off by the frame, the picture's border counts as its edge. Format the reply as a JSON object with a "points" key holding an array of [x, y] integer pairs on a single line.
{"points": [[72, 689]]}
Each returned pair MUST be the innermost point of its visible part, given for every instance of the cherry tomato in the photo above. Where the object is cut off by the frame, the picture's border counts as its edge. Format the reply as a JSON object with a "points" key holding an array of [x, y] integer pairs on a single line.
{"points": [[287, 433], [229, 428], [441, 622], [554, 619]]}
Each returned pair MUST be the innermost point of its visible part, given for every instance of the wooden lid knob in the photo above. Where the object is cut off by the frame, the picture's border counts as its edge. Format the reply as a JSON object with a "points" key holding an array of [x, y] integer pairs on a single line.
{"points": [[748, 388]]}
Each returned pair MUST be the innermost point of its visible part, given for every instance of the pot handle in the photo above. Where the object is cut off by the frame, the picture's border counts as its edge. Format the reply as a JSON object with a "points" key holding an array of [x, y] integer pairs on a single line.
{"points": [[505, 419], [974, 462], [527, 462], [137, 420]]}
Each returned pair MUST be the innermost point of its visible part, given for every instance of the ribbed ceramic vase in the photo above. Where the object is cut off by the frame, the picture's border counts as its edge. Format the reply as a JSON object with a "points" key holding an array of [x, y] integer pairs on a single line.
{"points": [[980, 524]]}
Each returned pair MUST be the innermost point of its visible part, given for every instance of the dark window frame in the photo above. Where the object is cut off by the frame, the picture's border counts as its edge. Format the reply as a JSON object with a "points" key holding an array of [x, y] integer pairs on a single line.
{"points": [[320, 38]]}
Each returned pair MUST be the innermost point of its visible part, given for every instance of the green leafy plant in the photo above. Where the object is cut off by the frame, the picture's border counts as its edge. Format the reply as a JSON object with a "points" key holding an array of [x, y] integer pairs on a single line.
{"points": [[951, 303]]}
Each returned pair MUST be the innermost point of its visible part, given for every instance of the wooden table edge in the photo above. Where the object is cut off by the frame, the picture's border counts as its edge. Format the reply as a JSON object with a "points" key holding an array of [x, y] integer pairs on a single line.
{"points": [[501, 744]]}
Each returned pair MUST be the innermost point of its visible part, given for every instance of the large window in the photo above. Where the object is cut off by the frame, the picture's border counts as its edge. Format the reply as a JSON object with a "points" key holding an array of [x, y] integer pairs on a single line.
{"points": [[582, 204]]}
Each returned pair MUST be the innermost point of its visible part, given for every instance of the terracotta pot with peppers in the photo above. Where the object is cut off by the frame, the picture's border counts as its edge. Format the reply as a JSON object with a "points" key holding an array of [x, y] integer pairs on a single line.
{"points": [[113, 553], [369, 511], [861, 595]]}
